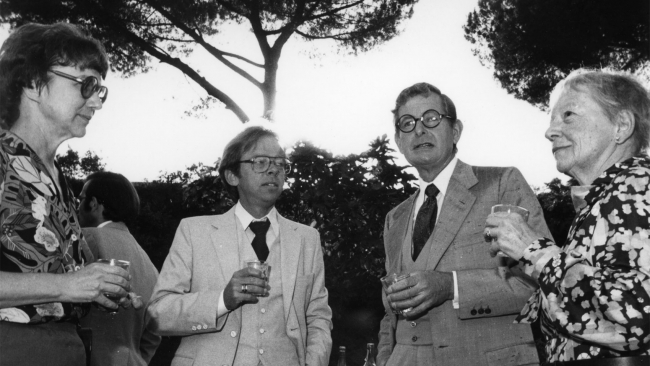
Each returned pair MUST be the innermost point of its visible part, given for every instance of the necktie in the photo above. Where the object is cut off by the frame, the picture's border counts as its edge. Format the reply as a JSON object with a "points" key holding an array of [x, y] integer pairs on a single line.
{"points": [[425, 220], [259, 242]]}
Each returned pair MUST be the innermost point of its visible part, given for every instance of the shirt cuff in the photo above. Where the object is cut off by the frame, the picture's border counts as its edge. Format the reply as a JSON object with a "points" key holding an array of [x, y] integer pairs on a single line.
{"points": [[455, 302], [221, 307]]}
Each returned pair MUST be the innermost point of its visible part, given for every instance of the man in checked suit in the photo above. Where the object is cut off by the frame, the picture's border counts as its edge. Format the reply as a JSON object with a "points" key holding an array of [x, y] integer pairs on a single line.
{"points": [[234, 316], [458, 303]]}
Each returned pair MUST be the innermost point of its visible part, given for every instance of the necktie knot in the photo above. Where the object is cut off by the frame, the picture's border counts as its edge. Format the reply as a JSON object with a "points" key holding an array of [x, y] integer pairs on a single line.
{"points": [[260, 227], [431, 191]]}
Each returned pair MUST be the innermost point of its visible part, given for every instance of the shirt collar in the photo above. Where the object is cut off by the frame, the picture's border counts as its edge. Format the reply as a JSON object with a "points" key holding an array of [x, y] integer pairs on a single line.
{"points": [[245, 218], [442, 180], [104, 224]]}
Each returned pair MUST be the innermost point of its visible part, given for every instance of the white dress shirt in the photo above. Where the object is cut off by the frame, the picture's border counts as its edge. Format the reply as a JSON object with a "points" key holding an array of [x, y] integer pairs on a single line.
{"points": [[442, 183]]}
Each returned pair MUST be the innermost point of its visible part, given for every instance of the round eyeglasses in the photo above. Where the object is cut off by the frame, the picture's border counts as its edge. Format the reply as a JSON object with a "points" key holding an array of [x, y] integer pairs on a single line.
{"points": [[89, 85], [261, 164], [430, 119]]}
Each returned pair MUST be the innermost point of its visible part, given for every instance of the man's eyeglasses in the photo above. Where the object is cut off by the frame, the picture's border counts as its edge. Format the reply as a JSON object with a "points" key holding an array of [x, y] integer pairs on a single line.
{"points": [[261, 164], [430, 119], [89, 85]]}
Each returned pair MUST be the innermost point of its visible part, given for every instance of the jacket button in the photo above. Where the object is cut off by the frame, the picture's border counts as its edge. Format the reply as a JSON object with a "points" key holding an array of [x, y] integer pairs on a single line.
{"points": [[488, 310], [193, 327], [473, 312], [414, 339], [233, 334], [481, 311], [413, 324]]}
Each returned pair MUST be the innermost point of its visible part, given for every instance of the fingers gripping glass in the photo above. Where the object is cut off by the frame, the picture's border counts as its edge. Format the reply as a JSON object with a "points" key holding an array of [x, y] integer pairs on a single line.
{"points": [[89, 85], [262, 163], [429, 119]]}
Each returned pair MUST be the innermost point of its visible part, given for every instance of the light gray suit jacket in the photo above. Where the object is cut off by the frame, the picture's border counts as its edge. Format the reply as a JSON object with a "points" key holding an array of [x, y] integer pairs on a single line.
{"points": [[124, 338], [471, 335], [200, 264]]}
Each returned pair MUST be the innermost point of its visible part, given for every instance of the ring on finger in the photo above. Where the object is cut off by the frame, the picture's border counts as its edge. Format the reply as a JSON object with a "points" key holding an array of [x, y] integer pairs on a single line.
{"points": [[244, 289], [488, 235]]}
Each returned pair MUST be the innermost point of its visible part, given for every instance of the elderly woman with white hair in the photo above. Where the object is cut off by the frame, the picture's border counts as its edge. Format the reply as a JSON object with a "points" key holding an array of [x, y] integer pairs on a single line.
{"points": [[593, 299]]}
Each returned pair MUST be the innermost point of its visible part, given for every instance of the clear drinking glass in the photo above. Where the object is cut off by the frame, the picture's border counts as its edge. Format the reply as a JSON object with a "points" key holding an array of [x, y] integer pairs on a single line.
{"points": [[390, 279], [116, 299], [524, 213]]}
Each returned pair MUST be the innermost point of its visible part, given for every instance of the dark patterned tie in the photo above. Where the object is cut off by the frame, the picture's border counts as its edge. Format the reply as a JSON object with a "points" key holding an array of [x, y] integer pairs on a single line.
{"points": [[259, 242], [425, 221]]}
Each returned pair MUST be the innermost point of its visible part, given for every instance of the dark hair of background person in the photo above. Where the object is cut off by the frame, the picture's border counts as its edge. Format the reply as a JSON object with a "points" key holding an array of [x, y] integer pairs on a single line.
{"points": [[232, 154], [33, 49], [119, 197]]}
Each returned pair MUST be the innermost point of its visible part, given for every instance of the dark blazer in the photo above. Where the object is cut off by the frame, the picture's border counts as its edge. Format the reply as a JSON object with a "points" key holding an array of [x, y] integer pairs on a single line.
{"points": [[471, 335], [123, 338]]}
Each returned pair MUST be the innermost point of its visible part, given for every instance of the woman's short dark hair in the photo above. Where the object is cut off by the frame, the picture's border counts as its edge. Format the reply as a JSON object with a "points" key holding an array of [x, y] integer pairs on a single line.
{"points": [[119, 197], [236, 148], [33, 49], [615, 91]]}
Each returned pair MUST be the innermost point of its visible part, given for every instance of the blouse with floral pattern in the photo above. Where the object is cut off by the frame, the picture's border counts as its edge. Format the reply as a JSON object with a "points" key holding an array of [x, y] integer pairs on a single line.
{"points": [[594, 295], [40, 230]]}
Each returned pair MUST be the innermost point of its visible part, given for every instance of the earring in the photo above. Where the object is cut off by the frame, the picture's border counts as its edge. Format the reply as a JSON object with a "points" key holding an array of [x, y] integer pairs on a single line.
{"points": [[617, 139]]}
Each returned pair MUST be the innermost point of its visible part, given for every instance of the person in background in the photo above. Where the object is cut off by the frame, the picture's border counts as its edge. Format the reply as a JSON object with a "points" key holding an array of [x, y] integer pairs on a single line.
{"points": [[233, 315], [594, 291], [107, 204], [50, 88], [458, 304]]}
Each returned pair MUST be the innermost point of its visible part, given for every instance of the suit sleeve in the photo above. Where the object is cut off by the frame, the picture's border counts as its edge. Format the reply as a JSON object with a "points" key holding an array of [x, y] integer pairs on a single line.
{"points": [[386, 336], [174, 308], [149, 341], [503, 288], [319, 314]]}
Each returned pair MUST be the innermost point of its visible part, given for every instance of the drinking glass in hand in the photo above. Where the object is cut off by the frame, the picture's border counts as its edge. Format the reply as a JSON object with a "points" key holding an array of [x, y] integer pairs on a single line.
{"points": [[261, 266], [116, 299], [387, 281], [510, 209]]}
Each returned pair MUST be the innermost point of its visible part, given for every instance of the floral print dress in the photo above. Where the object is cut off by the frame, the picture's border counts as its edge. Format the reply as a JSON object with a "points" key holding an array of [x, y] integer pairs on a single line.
{"points": [[40, 230], [594, 295]]}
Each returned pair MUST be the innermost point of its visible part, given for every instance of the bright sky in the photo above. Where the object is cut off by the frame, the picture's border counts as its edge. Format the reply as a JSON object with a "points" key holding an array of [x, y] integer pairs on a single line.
{"points": [[339, 102]]}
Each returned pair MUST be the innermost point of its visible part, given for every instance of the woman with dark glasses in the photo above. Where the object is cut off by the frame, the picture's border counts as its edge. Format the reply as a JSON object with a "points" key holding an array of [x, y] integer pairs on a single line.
{"points": [[50, 88]]}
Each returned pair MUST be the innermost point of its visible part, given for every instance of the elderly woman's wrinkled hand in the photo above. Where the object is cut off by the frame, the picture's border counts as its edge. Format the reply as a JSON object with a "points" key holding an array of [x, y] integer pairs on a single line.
{"points": [[93, 281], [508, 233]]}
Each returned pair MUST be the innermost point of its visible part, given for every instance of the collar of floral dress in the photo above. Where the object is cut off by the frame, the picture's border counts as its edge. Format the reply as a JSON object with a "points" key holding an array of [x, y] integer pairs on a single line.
{"points": [[598, 186]]}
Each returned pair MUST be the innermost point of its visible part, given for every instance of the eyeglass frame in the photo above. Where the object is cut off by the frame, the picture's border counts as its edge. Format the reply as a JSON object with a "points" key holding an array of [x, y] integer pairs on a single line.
{"points": [[96, 89], [287, 163], [421, 120]]}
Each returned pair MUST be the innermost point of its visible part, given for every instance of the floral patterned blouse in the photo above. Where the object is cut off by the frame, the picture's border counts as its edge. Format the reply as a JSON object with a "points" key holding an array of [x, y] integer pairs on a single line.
{"points": [[594, 295], [40, 230]]}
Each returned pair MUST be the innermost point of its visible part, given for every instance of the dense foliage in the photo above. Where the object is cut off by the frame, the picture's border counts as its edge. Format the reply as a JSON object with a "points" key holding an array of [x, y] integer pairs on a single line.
{"points": [[134, 31], [531, 44]]}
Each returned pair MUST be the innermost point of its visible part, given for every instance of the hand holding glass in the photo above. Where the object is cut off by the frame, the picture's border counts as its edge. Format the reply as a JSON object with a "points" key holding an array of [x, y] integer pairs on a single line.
{"points": [[510, 209], [116, 299], [261, 266], [387, 281]]}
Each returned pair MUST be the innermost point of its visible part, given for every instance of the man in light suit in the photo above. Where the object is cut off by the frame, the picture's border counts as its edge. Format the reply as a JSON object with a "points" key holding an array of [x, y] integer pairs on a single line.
{"points": [[458, 304], [234, 316], [107, 203]]}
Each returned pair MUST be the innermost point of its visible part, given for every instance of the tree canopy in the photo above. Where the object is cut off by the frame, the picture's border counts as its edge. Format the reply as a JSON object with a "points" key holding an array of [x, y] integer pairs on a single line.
{"points": [[531, 45], [134, 31]]}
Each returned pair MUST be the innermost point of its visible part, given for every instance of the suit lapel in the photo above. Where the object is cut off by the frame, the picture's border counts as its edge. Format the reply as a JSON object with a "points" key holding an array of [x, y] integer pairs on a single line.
{"points": [[225, 244], [397, 233], [455, 208], [290, 253]]}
